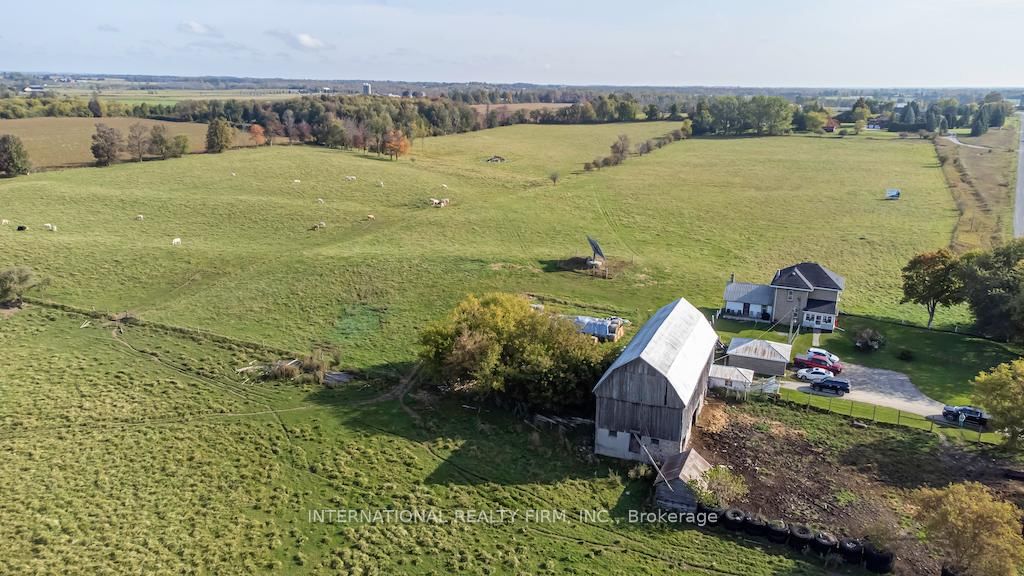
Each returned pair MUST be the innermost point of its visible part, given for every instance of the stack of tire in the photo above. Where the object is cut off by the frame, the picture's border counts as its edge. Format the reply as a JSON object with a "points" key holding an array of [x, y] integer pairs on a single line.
{"points": [[824, 543], [777, 531], [852, 550], [800, 537], [734, 519], [876, 559], [755, 525]]}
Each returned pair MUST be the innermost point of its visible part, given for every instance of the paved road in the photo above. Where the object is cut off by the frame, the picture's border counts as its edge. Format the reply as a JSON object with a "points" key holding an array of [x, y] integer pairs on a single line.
{"points": [[1018, 202], [952, 138], [881, 387]]}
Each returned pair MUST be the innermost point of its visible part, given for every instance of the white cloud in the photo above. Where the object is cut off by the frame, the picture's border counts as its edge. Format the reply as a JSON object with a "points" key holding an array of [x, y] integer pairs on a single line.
{"points": [[197, 28], [300, 40]]}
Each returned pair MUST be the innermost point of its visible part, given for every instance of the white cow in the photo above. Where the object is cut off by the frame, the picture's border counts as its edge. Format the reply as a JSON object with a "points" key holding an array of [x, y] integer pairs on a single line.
{"points": [[4, 222], [48, 227], [297, 181], [380, 184], [233, 174], [350, 178], [176, 242], [371, 217], [445, 186], [320, 200], [140, 217]]}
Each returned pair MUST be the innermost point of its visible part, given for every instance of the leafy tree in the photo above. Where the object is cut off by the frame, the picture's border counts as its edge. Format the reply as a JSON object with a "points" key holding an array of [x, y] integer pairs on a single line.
{"points": [[107, 144], [219, 135], [396, 144], [14, 282], [1000, 391], [815, 121], [13, 156], [978, 533], [179, 146], [674, 112], [858, 126], [497, 345], [932, 279], [257, 135], [620, 148], [137, 142], [159, 143], [993, 287], [626, 111], [95, 107], [652, 112], [686, 128]]}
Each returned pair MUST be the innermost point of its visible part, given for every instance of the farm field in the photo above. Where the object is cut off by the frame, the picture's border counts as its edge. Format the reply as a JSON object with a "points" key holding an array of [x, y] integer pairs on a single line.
{"points": [[519, 106], [146, 451], [676, 222], [62, 142], [142, 95]]}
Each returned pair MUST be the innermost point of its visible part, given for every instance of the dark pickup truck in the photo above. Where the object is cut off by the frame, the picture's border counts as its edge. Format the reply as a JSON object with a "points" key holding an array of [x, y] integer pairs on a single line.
{"points": [[835, 385], [971, 415]]}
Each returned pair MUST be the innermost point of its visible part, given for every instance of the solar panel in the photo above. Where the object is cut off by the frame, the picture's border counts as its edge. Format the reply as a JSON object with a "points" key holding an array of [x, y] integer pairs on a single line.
{"points": [[596, 247]]}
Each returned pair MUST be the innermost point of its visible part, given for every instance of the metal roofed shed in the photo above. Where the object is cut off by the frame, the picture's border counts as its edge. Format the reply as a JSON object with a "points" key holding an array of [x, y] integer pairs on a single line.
{"points": [[649, 397], [604, 329], [892, 194], [761, 356], [671, 488], [731, 378]]}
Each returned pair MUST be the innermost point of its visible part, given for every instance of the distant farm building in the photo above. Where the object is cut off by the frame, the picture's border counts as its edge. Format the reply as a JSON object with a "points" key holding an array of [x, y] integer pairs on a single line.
{"points": [[831, 125], [604, 329], [367, 88], [672, 489], [649, 398], [760, 356]]}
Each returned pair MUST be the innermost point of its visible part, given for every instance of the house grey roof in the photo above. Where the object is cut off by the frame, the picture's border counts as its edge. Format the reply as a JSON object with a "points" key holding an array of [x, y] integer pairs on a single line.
{"points": [[760, 349], [732, 373], [677, 342], [820, 306], [744, 292], [686, 465], [808, 276]]}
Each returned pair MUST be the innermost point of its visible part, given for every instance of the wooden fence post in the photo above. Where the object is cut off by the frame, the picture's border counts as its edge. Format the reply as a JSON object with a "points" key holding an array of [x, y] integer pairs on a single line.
{"points": [[874, 411]]}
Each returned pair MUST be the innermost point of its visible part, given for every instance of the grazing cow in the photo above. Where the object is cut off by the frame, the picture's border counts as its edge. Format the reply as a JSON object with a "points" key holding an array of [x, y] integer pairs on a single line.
{"points": [[380, 184], [435, 202], [4, 222], [53, 228], [176, 242], [297, 181], [350, 178], [22, 228], [371, 217], [444, 202], [48, 227], [320, 200], [445, 186], [140, 217], [233, 174]]}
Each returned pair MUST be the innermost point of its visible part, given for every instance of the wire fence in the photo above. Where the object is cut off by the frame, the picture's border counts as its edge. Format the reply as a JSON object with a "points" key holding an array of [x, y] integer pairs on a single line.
{"points": [[865, 412]]}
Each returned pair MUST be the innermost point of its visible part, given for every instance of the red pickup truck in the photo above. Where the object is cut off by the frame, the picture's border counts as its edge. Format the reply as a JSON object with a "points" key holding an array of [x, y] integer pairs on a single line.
{"points": [[814, 361]]}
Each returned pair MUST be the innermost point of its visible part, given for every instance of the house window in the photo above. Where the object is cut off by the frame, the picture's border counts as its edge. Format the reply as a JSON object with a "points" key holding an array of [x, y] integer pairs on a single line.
{"points": [[613, 434], [828, 319], [789, 295], [817, 319]]}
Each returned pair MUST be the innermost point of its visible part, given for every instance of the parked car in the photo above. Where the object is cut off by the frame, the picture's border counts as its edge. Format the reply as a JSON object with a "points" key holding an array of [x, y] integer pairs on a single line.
{"points": [[836, 385], [812, 361], [971, 415], [813, 374], [822, 352]]}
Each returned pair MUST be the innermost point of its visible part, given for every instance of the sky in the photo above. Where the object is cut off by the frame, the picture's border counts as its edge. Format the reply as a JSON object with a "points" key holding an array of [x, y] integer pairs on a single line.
{"points": [[814, 43]]}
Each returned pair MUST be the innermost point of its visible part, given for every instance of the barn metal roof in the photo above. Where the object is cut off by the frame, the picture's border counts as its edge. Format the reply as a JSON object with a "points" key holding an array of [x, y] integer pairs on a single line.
{"points": [[686, 465], [733, 373], [760, 349], [677, 342]]}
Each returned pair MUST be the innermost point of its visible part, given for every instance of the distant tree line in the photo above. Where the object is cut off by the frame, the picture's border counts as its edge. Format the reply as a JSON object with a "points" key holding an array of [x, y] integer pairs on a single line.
{"points": [[620, 148]]}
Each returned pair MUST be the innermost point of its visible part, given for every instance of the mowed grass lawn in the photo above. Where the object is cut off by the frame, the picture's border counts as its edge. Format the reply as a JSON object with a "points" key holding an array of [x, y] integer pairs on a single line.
{"points": [[56, 142], [149, 454], [680, 220]]}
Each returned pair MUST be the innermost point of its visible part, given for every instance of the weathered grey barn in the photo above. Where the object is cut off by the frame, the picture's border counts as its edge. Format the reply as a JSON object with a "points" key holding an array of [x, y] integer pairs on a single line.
{"points": [[651, 395]]}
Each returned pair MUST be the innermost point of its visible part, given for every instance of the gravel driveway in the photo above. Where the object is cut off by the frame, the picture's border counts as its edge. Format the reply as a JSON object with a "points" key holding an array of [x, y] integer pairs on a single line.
{"points": [[882, 387]]}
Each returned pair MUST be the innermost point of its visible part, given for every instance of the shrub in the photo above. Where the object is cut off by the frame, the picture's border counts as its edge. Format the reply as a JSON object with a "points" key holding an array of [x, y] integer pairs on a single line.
{"points": [[14, 282], [719, 486], [869, 340], [13, 156], [905, 354], [283, 371], [844, 132], [640, 471]]}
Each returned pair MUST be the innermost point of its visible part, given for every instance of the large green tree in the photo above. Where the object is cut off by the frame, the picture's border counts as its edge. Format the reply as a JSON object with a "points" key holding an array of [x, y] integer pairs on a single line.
{"points": [[219, 136], [13, 156], [14, 282], [497, 345], [137, 143], [993, 287], [107, 144], [1000, 391], [932, 279]]}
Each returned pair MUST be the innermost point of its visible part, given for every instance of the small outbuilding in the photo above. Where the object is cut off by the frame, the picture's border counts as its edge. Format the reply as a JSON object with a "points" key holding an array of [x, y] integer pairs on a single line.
{"points": [[672, 490], [730, 378], [760, 356]]}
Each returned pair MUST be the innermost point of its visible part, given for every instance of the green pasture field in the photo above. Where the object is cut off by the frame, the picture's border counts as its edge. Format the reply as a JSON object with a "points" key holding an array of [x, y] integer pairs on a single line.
{"points": [[674, 223], [59, 142], [141, 95]]}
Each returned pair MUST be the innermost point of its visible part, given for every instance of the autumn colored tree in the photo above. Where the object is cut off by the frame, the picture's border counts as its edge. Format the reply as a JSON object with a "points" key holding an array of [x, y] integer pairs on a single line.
{"points": [[932, 280], [396, 144], [978, 534], [257, 134], [1000, 391]]}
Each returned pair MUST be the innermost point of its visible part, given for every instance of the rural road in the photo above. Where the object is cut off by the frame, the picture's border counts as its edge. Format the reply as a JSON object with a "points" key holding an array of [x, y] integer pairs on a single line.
{"points": [[1018, 201], [882, 387]]}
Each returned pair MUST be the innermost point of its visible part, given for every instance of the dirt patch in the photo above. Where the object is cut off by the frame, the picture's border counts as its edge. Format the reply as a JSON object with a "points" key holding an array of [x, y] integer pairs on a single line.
{"points": [[610, 268], [509, 266], [8, 311]]}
